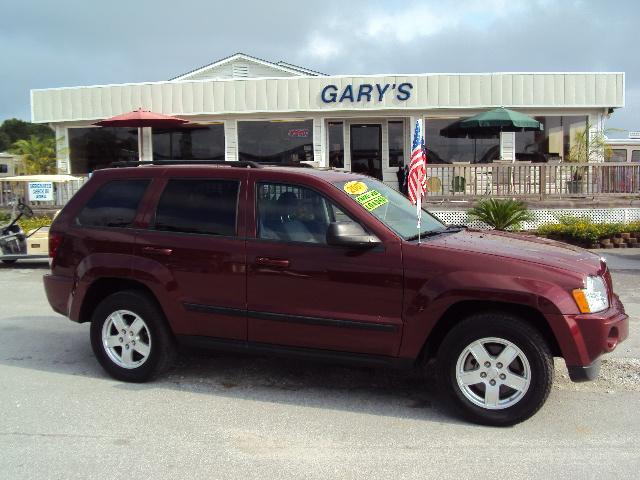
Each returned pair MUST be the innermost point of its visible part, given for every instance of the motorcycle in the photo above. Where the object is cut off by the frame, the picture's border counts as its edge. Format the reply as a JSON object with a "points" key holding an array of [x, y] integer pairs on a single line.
{"points": [[14, 242]]}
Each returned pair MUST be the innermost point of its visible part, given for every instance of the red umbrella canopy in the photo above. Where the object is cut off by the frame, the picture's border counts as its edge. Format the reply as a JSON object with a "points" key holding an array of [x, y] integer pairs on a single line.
{"points": [[141, 118]]}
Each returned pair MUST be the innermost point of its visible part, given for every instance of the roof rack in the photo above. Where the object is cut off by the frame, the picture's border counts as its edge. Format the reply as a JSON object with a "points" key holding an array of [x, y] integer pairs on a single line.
{"points": [[135, 163]]}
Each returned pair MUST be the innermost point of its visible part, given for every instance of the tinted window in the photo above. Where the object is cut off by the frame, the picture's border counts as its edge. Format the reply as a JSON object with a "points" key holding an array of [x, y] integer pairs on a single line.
{"points": [[275, 141], [396, 144], [635, 156], [198, 206], [4, 168], [195, 142], [618, 155], [113, 205], [94, 148], [336, 145], [292, 213]]}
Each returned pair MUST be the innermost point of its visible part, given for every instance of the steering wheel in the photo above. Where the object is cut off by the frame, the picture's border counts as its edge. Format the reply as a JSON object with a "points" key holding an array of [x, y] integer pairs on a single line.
{"points": [[25, 209]]}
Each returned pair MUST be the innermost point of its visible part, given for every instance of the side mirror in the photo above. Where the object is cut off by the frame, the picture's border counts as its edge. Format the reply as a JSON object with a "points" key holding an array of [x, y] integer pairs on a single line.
{"points": [[350, 234]]}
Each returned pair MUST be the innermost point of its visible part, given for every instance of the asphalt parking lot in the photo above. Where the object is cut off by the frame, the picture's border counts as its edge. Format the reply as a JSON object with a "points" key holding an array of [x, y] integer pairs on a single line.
{"points": [[222, 416]]}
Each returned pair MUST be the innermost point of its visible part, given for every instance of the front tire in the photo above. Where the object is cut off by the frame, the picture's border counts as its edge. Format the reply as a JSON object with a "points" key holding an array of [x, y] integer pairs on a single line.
{"points": [[130, 337], [495, 369]]}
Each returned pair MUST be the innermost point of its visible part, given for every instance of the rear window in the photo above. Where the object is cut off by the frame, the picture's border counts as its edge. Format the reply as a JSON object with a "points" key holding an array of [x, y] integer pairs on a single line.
{"points": [[198, 206], [114, 204]]}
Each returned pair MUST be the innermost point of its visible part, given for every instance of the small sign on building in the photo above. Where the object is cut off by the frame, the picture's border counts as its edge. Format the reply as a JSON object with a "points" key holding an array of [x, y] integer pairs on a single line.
{"points": [[41, 191], [634, 134]]}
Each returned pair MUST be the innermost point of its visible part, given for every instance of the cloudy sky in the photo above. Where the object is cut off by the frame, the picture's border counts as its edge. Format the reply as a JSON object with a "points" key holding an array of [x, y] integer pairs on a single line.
{"points": [[67, 43]]}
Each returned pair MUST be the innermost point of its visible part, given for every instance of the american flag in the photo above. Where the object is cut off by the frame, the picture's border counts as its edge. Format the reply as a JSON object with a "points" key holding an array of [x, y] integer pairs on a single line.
{"points": [[417, 178]]}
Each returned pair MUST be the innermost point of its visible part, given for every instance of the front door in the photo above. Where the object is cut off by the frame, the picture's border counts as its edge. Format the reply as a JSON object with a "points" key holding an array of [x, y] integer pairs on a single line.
{"points": [[302, 292], [366, 149]]}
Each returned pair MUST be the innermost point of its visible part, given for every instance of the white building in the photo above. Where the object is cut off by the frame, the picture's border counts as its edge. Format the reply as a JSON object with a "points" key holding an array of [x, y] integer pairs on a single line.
{"points": [[10, 164], [244, 108]]}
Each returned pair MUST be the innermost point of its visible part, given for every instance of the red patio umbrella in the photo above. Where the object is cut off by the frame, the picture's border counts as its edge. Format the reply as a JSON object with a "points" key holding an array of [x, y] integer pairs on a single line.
{"points": [[141, 118]]}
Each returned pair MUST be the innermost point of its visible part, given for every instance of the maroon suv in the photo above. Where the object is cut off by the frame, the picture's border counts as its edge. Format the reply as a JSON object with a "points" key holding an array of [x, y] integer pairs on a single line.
{"points": [[324, 264]]}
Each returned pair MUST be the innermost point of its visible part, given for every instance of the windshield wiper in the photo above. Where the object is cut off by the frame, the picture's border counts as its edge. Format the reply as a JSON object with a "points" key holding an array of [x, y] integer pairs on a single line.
{"points": [[433, 233]]}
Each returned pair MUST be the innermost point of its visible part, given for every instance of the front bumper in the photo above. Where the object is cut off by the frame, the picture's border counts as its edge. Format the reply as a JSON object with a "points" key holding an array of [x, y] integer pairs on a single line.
{"points": [[595, 334]]}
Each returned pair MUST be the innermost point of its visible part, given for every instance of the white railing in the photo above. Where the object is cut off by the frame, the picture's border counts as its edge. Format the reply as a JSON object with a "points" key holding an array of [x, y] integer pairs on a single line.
{"points": [[62, 192], [533, 179]]}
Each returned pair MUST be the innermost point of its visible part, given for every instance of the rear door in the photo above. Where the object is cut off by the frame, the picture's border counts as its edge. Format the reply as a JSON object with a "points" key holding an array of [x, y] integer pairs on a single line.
{"points": [[194, 246], [305, 293]]}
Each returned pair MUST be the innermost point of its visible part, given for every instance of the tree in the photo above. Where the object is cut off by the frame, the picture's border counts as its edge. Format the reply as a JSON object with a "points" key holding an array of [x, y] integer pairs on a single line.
{"points": [[38, 154], [589, 146], [15, 129]]}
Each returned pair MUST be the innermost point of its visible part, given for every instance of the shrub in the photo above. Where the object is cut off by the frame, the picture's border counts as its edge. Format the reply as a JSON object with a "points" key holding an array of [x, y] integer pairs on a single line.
{"points": [[30, 223], [501, 214], [583, 230]]}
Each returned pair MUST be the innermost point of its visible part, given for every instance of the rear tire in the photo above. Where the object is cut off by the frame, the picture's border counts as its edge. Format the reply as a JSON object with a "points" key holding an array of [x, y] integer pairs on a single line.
{"points": [[130, 337], [495, 369]]}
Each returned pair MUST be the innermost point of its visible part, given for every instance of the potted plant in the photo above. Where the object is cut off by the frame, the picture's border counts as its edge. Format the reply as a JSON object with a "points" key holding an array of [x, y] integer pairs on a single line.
{"points": [[587, 147]]}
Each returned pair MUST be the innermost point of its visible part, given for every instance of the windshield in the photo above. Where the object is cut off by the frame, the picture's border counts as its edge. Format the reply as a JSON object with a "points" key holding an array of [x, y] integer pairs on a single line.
{"points": [[389, 206]]}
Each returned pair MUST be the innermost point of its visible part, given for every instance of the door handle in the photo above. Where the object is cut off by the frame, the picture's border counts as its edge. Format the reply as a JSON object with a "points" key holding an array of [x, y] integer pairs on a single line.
{"points": [[272, 262], [157, 251]]}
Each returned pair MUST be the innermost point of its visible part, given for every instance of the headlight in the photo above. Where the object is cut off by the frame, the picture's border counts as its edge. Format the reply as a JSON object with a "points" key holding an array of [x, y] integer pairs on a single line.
{"points": [[593, 298]]}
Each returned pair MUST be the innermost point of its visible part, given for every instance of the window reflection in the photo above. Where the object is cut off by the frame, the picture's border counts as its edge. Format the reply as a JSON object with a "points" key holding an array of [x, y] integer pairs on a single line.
{"points": [[553, 143], [193, 142], [396, 143], [441, 149], [336, 145], [275, 141], [94, 148]]}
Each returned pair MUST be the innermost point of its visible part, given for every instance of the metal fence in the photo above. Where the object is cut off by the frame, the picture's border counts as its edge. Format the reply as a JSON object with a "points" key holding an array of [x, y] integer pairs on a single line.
{"points": [[62, 192], [533, 180]]}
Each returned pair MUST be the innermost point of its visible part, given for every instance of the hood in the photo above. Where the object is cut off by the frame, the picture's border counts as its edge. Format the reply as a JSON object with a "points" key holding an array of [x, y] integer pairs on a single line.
{"points": [[521, 247]]}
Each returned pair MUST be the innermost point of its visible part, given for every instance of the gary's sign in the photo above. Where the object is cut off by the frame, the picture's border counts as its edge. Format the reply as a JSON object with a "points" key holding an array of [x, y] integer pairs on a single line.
{"points": [[40, 191], [366, 92]]}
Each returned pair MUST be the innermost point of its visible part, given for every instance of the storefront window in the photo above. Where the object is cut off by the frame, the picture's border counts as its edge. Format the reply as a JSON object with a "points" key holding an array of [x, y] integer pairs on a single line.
{"points": [[94, 148], [441, 149], [336, 145], [554, 143], [396, 143], [275, 141], [617, 155], [195, 142]]}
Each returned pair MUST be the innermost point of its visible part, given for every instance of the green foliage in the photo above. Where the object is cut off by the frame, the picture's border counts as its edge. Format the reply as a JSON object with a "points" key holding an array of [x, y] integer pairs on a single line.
{"points": [[501, 214], [38, 154], [34, 222], [13, 130], [583, 230]]}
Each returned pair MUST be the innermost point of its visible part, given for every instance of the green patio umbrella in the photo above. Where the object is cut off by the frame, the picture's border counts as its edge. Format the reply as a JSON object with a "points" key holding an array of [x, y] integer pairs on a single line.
{"points": [[490, 124]]}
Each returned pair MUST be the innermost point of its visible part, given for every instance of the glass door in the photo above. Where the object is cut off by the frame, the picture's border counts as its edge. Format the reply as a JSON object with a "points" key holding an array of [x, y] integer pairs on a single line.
{"points": [[366, 149]]}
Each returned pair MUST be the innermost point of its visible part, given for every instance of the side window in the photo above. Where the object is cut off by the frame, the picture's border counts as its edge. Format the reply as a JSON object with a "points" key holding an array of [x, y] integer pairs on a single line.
{"points": [[4, 168], [618, 155], [198, 206], [114, 204], [635, 155], [292, 213]]}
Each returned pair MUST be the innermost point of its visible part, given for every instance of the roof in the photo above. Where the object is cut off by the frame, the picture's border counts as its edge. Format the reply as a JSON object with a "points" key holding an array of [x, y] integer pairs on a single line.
{"points": [[525, 92], [279, 66]]}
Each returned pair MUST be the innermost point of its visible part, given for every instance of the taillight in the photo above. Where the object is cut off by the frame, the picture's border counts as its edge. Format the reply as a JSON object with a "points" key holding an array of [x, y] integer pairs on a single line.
{"points": [[55, 240]]}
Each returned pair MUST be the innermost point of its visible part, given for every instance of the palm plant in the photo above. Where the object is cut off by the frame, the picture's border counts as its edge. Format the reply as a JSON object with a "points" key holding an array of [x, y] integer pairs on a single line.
{"points": [[38, 154], [501, 214]]}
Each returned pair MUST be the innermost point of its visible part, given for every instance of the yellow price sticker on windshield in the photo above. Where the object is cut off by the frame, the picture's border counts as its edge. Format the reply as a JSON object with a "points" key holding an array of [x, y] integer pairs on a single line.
{"points": [[355, 188], [372, 200]]}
